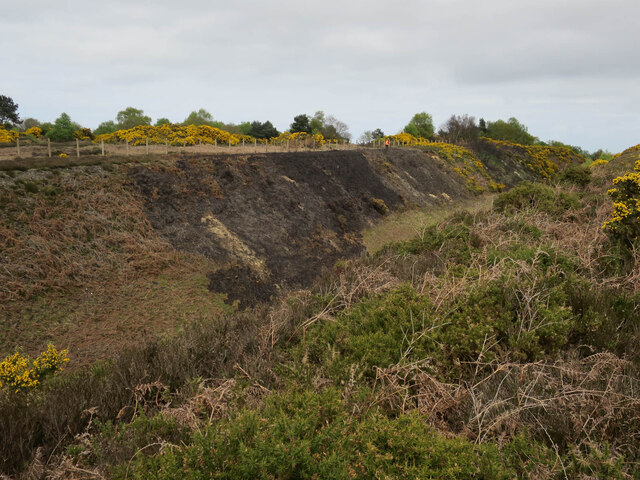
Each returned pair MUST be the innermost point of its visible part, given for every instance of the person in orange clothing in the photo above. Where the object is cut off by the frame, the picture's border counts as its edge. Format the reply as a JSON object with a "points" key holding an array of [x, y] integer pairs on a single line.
{"points": [[386, 143]]}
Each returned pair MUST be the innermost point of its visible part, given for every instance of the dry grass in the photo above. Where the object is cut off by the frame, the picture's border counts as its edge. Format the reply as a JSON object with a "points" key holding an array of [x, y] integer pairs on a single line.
{"points": [[81, 266], [404, 225]]}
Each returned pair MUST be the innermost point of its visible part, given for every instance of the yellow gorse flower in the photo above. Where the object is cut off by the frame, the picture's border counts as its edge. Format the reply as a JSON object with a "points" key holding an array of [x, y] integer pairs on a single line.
{"points": [[7, 136], [175, 135], [625, 218], [20, 373]]}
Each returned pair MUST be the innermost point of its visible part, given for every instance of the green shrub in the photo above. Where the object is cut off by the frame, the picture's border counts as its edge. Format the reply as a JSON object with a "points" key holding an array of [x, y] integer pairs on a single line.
{"points": [[309, 435], [373, 333], [580, 175], [523, 228], [118, 443], [534, 196], [63, 129], [453, 243]]}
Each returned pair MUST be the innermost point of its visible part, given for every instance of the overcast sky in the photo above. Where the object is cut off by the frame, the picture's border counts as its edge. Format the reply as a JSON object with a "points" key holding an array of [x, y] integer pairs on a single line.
{"points": [[567, 69]]}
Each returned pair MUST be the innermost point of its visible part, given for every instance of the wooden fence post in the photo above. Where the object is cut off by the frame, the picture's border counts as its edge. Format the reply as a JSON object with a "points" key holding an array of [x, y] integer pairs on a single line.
{"points": [[147, 144], [229, 143], [18, 144], [255, 145], [78, 147], [166, 147], [49, 146], [101, 146], [127, 140]]}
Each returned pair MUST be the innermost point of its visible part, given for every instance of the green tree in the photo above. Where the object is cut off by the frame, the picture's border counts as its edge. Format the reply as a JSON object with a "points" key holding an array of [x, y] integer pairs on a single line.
{"points": [[317, 122], [377, 133], [511, 131], [244, 128], [131, 117], [603, 154], [63, 129], [263, 130], [200, 117], [8, 111], [106, 127], [162, 121], [421, 125], [301, 123]]}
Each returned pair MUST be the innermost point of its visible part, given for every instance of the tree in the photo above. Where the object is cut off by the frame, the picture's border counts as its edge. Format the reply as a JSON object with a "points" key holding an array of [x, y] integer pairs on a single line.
{"points": [[482, 125], [301, 123], [106, 127], [8, 111], [317, 122], [131, 117], [263, 130], [377, 133], [459, 129], [341, 129], [329, 126], [200, 117], [366, 137], [28, 123], [63, 129], [603, 154], [46, 127], [510, 131], [244, 128], [421, 125], [162, 121]]}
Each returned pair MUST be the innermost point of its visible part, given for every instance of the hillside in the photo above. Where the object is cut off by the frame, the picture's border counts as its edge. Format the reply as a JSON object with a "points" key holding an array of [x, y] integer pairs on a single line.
{"points": [[103, 258], [94, 246]]}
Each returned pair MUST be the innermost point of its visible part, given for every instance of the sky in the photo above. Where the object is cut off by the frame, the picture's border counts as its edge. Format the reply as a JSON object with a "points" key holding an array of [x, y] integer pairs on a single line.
{"points": [[567, 69]]}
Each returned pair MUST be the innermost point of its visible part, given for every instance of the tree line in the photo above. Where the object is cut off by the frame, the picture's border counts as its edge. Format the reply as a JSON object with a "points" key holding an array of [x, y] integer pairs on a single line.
{"points": [[458, 129]]}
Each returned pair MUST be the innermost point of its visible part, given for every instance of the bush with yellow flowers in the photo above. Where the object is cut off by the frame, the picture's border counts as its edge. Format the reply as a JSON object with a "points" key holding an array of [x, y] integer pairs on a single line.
{"points": [[598, 162], [624, 224], [298, 139], [83, 134], [7, 136], [407, 139], [173, 135], [19, 373], [35, 132]]}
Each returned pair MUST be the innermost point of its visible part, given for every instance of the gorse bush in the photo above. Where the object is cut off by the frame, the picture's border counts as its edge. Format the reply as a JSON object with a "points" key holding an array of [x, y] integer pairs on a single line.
{"points": [[19, 373], [315, 435], [534, 196], [624, 224], [580, 175]]}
